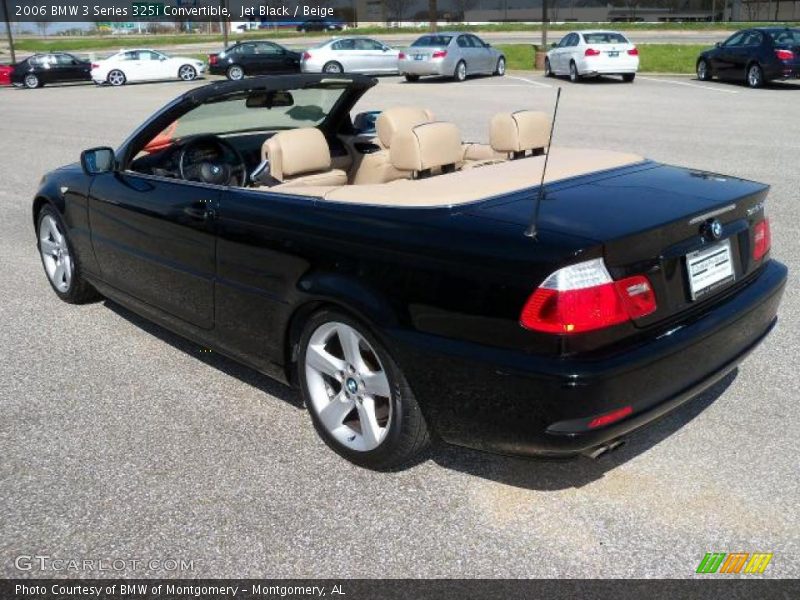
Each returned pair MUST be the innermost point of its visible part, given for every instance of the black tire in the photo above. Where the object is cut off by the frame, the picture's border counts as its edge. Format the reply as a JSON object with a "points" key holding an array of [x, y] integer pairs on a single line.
{"points": [[411, 78], [116, 78], [79, 291], [500, 68], [703, 70], [460, 72], [407, 434], [235, 73], [755, 76], [32, 81], [548, 71], [333, 67], [574, 76], [628, 77]]}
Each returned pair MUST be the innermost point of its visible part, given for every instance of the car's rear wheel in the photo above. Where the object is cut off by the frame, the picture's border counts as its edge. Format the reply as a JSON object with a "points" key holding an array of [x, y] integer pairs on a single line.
{"points": [[235, 73], [628, 77], [32, 81], [332, 67], [500, 69], [460, 74], [187, 73], [116, 78], [59, 261], [574, 76], [755, 76], [411, 78], [703, 70], [359, 401], [548, 71]]}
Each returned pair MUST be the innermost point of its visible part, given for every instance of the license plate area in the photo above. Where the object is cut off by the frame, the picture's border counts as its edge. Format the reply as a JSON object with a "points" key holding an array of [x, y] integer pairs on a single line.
{"points": [[419, 57], [613, 54], [709, 269]]}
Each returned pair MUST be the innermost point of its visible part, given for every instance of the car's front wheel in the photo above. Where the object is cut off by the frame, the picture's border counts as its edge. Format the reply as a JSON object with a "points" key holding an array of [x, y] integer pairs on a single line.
{"points": [[755, 76], [235, 73], [500, 69], [32, 81], [460, 74], [548, 71], [359, 401], [703, 70], [60, 263], [187, 73], [116, 78], [574, 76]]}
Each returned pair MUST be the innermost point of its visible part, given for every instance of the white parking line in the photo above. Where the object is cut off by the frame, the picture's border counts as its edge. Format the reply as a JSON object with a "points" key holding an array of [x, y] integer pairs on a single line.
{"points": [[531, 81], [687, 84]]}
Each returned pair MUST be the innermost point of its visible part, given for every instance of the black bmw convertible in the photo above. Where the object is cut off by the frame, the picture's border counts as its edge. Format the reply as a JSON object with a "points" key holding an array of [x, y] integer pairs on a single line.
{"points": [[400, 276]]}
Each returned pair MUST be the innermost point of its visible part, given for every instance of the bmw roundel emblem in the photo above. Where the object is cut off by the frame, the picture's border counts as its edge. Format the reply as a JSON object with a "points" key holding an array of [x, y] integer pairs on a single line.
{"points": [[715, 229]]}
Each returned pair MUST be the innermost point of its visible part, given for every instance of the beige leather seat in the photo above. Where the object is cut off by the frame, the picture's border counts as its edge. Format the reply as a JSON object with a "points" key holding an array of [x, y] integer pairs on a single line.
{"points": [[511, 135], [377, 167], [301, 157], [427, 149]]}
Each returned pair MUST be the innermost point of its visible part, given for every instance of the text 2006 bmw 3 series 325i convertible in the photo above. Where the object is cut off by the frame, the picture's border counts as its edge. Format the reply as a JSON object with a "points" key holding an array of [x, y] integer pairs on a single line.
{"points": [[382, 265]]}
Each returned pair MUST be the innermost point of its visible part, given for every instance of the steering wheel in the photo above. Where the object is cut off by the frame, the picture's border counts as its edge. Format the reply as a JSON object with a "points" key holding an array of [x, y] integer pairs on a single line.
{"points": [[220, 163]]}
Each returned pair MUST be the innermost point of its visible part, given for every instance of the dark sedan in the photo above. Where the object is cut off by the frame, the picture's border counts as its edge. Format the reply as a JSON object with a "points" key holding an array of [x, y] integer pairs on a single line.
{"points": [[56, 67], [756, 56], [425, 302], [318, 24], [254, 58]]}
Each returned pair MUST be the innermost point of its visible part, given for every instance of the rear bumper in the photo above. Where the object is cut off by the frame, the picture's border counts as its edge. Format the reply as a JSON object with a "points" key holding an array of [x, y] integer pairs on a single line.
{"points": [[608, 66], [425, 67], [512, 403], [783, 71]]}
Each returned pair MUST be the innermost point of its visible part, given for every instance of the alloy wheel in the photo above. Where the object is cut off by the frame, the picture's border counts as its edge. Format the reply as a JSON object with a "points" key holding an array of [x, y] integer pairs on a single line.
{"points": [[333, 67], [348, 386], [501, 66], [755, 76], [573, 73], [116, 78], [55, 254], [31, 81], [235, 73], [702, 71], [187, 73], [547, 70], [461, 71]]}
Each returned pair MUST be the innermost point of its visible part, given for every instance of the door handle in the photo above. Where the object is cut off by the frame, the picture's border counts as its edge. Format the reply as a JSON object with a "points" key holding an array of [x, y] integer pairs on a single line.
{"points": [[200, 211]]}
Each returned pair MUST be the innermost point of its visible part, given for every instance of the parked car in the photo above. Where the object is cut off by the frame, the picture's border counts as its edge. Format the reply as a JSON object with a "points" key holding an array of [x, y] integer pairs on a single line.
{"points": [[253, 58], [350, 55], [5, 74], [451, 54], [55, 67], [145, 65], [318, 24], [756, 56], [422, 303], [592, 53]]}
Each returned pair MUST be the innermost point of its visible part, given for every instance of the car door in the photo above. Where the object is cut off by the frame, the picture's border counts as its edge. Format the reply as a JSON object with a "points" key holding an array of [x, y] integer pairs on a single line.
{"points": [[158, 66], [484, 57], [723, 61], [270, 58], [747, 52], [245, 57], [154, 240], [375, 56], [66, 68], [344, 52], [465, 52], [128, 62]]}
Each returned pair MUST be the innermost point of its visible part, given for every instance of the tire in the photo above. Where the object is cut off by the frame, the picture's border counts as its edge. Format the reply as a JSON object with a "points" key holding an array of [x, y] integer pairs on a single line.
{"points": [[574, 76], [116, 78], [628, 77], [703, 70], [332, 67], [411, 78], [235, 73], [59, 260], [333, 389], [500, 69], [548, 71], [187, 73], [32, 82], [460, 73], [755, 76]]}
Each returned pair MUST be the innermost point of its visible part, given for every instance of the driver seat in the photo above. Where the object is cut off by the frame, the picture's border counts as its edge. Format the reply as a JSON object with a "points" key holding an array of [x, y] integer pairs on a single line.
{"points": [[301, 157]]}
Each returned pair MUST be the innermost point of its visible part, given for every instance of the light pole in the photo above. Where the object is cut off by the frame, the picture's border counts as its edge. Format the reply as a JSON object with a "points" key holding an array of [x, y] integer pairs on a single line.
{"points": [[8, 33]]}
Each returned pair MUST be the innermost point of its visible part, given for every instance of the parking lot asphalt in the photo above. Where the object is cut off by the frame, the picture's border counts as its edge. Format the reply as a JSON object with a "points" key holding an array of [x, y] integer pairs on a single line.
{"points": [[121, 440]]}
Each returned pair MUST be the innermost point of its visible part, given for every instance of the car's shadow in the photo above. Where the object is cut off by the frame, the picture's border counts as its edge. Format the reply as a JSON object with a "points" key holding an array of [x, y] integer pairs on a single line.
{"points": [[770, 85], [527, 473]]}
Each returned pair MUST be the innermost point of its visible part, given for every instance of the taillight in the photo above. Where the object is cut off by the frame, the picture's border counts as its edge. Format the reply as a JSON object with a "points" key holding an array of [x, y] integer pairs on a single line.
{"points": [[762, 239], [306, 56], [633, 52], [439, 54], [784, 54], [591, 52], [401, 56], [583, 297], [611, 417], [212, 59], [95, 66]]}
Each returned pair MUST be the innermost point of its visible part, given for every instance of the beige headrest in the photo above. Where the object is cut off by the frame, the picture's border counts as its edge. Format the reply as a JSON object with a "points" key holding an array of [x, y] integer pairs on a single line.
{"points": [[399, 118], [519, 131], [296, 152], [426, 146]]}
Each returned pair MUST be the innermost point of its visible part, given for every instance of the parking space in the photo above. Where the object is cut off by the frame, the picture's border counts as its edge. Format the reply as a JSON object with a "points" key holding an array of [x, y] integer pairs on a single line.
{"points": [[121, 440]]}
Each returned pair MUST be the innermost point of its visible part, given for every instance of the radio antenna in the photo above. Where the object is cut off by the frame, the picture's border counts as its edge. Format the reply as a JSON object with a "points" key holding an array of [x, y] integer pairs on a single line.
{"points": [[531, 230]]}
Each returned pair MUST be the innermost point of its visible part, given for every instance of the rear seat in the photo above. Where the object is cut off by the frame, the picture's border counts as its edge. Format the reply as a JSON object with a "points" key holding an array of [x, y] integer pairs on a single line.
{"points": [[427, 149], [511, 136]]}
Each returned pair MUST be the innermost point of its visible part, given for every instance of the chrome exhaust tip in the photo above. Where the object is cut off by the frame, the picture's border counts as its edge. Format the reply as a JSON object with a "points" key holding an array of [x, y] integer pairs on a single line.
{"points": [[598, 451]]}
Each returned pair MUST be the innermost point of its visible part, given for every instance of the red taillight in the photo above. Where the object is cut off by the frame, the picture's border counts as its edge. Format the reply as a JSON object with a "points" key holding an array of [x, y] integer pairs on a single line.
{"points": [[95, 66], [591, 52], [439, 54], [583, 297], [306, 56], [784, 54], [633, 52], [401, 56], [611, 417], [762, 239], [212, 59]]}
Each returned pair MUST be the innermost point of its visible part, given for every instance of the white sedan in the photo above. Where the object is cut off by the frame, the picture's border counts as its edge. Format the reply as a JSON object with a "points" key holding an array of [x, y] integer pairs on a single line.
{"points": [[591, 53], [145, 65]]}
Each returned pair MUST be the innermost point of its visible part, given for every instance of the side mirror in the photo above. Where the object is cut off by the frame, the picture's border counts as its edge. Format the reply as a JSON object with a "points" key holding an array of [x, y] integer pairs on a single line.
{"points": [[718, 45], [97, 160], [553, 45], [487, 45], [365, 121]]}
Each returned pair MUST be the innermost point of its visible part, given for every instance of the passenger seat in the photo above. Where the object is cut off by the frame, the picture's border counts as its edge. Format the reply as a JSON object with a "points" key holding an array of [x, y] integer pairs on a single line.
{"points": [[301, 157], [428, 149], [511, 136]]}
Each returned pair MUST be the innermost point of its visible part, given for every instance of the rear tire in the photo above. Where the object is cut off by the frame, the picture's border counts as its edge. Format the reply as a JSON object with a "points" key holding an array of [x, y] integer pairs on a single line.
{"points": [[235, 73], [628, 77], [360, 403], [333, 68], [703, 70], [755, 76], [574, 76], [460, 74], [411, 78], [116, 78], [548, 71], [500, 69], [32, 82]]}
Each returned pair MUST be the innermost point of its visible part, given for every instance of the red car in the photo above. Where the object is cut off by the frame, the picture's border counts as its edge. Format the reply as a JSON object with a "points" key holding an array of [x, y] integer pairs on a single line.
{"points": [[5, 74]]}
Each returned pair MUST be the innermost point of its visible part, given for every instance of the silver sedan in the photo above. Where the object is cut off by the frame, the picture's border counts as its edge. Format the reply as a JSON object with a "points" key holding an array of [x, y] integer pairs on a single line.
{"points": [[350, 55], [451, 54]]}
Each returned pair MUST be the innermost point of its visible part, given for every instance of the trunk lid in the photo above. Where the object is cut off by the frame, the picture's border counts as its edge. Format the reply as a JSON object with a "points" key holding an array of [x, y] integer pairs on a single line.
{"points": [[649, 220]]}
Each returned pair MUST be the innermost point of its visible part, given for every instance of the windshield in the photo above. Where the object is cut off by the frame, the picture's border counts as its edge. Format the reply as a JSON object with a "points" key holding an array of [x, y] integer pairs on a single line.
{"points": [[429, 41], [786, 36], [604, 37]]}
